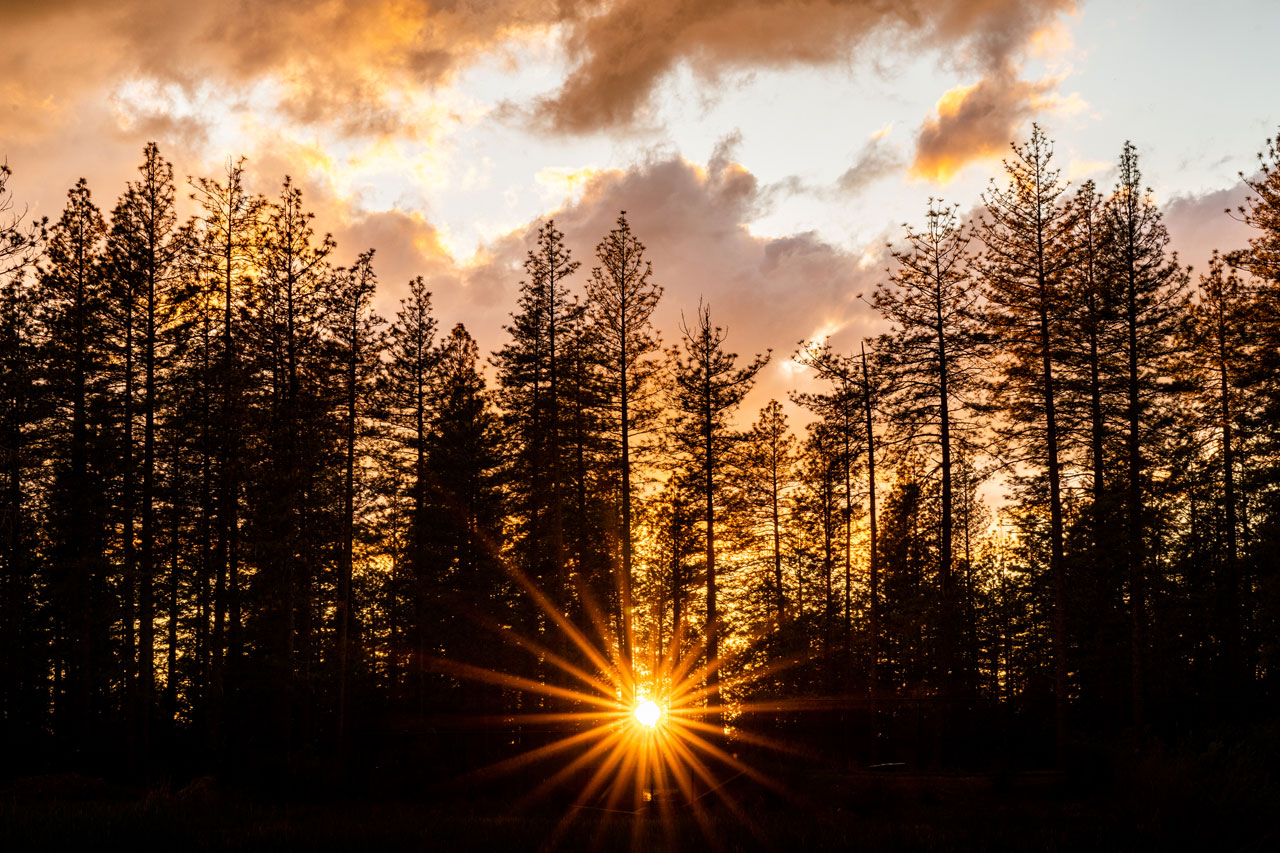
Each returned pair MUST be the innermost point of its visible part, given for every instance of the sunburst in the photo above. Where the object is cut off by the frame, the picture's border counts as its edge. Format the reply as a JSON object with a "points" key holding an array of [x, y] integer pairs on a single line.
{"points": [[646, 743]]}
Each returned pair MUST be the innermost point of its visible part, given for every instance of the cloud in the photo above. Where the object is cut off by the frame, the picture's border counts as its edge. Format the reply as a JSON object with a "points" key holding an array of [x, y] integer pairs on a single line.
{"points": [[770, 292], [876, 159], [974, 123], [619, 55], [1198, 224], [359, 64]]}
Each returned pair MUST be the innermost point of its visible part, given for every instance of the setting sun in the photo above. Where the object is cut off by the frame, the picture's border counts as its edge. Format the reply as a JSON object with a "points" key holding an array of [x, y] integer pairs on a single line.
{"points": [[648, 713]]}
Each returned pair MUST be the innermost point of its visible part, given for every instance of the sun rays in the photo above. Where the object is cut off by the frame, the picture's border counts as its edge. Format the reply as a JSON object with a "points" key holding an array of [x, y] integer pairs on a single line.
{"points": [[628, 734]]}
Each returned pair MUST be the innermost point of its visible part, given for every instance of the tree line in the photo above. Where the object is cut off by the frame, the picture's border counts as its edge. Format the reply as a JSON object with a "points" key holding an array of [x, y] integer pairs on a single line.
{"points": [[248, 521]]}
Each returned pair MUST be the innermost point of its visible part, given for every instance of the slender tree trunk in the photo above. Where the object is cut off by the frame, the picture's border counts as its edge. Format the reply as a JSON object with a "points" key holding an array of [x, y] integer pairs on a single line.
{"points": [[224, 636], [781, 599], [713, 618], [945, 659], [146, 590], [874, 556], [420, 511], [557, 510], [847, 469], [1231, 586], [129, 579], [1055, 526], [627, 630], [171, 646], [348, 540], [81, 556], [1134, 551]]}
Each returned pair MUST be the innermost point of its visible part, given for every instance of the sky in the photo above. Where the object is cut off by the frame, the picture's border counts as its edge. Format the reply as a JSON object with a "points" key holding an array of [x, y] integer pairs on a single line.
{"points": [[765, 150]]}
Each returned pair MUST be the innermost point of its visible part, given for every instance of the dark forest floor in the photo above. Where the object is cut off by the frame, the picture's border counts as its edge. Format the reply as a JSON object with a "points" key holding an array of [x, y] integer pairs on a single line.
{"points": [[1218, 790], [897, 810]]}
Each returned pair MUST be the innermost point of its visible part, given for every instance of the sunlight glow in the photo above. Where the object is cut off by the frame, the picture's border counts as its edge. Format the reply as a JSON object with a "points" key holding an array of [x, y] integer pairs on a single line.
{"points": [[648, 713]]}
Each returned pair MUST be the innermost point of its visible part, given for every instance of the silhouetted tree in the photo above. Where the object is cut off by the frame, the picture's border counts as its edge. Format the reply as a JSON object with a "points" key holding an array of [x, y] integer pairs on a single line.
{"points": [[73, 318], [1152, 286], [708, 387], [1028, 252], [620, 301], [932, 357]]}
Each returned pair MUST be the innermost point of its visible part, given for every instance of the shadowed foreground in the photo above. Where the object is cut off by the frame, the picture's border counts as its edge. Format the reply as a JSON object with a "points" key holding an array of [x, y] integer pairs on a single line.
{"points": [[1214, 797]]}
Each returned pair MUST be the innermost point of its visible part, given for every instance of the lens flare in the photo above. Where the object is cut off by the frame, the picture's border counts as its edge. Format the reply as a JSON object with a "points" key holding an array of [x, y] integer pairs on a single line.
{"points": [[632, 755], [648, 713]]}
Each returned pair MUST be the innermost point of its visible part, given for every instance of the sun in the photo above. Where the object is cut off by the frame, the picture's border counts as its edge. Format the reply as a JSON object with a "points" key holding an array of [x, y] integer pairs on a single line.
{"points": [[648, 713]]}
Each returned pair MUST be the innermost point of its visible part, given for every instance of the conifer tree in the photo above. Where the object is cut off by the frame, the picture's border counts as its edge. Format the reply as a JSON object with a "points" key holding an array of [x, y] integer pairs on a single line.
{"points": [[532, 375], [410, 375], [285, 497], [1220, 339], [708, 387], [620, 301], [462, 467], [1028, 243], [767, 478], [226, 240], [22, 653], [149, 246], [73, 318], [356, 337], [1152, 291], [842, 409], [932, 356]]}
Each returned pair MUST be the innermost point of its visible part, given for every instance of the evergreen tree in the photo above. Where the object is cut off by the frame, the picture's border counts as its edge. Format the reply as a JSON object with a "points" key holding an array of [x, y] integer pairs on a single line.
{"points": [[843, 409], [766, 479], [356, 338], [1028, 253], [227, 238], [620, 301], [287, 531], [23, 640], [1152, 286], [148, 246], [1219, 337], [708, 387], [410, 374], [463, 467], [932, 357], [532, 378], [73, 319]]}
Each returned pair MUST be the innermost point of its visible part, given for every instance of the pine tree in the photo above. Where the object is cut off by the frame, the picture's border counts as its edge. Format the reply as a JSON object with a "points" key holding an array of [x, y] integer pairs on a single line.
{"points": [[149, 246], [291, 437], [1089, 395], [766, 479], [410, 375], [355, 335], [932, 358], [462, 467], [1220, 339], [227, 237], [1028, 253], [73, 319], [620, 302], [843, 411], [532, 375], [23, 655], [1152, 286], [818, 511], [708, 387]]}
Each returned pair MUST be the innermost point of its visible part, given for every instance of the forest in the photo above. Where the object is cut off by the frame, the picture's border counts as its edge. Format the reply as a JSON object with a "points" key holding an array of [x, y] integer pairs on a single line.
{"points": [[253, 529]]}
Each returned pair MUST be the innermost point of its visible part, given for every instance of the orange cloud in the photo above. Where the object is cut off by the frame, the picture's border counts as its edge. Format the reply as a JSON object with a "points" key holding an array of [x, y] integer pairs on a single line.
{"points": [[347, 63], [974, 123], [620, 54]]}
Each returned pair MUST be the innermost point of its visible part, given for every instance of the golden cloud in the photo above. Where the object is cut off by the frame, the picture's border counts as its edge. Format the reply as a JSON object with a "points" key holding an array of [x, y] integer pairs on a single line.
{"points": [[348, 64], [974, 123]]}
